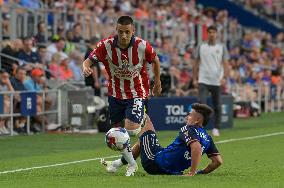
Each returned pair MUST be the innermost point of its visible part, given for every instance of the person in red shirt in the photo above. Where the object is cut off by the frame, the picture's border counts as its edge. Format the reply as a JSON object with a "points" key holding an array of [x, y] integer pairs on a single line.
{"points": [[125, 58]]}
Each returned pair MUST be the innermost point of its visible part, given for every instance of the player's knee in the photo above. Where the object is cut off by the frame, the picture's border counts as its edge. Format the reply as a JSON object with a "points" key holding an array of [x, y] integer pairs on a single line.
{"points": [[219, 162]]}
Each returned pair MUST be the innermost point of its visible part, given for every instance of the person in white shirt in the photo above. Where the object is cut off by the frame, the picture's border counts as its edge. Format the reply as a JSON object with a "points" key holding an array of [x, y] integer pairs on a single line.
{"points": [[55, 47], [209, 70]]}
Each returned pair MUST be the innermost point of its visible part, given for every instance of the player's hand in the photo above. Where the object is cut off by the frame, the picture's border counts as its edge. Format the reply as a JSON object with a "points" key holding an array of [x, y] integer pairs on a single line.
{"points": [[189, 174], [87, 71], [157, 89]]}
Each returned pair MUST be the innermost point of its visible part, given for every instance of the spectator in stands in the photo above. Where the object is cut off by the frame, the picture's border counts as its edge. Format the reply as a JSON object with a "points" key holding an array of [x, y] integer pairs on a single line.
{"points": [[53, 66], [125, 6], [60, 32], [5, 26], [65, 73], [69, 44], [18, 80], [57, 46], [5, 85], [11, 50], [18, 84], [28, 53], [41, 30], [76, 59], [141, 13], [60, 5], [183, 87], [174, 73], [276, 84], [70, 15], [35, 84], [77, 33], [42, 54], [80, 4], [93, 80]]}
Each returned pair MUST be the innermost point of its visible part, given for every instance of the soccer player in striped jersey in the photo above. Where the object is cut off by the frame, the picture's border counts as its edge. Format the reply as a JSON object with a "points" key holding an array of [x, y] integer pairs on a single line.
{"points": [[125, 57]]}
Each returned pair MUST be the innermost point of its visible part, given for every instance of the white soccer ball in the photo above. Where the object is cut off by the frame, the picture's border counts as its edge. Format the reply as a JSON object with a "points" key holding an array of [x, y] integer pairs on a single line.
{"points": [[117, 138]]}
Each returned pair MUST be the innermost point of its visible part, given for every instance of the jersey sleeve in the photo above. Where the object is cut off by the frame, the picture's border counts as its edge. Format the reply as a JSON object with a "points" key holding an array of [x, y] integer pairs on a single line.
{"points": [[212, 150], [150, 53], [98, 54], [188, 136]]}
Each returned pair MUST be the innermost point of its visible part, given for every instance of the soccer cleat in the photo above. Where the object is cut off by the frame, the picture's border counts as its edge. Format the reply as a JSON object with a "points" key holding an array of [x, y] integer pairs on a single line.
{"points": [[131, 170], [110, 167]]}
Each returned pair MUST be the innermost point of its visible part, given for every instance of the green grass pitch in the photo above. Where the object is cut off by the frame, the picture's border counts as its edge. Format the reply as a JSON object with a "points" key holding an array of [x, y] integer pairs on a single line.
{"points": [[254, 163]]}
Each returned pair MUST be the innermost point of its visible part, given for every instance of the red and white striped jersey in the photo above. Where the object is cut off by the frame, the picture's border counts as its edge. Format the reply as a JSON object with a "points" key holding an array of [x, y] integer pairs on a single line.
{"points": [[126, 68]]}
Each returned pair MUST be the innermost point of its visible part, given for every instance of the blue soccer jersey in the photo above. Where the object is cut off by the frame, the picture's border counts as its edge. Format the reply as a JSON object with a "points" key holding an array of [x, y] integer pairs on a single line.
{"points": [[175, 158]]}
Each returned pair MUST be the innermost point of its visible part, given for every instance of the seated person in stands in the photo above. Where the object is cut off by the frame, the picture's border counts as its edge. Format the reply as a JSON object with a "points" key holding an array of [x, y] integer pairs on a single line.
{"points": [[36, 83], [17, 82], [27, 53], [11, 50], [66, 73], [5, 85]]}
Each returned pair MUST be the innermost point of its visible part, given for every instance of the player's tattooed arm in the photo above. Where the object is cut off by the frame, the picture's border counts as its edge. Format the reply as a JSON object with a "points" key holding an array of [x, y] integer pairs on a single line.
{"points": [[216, 161]]}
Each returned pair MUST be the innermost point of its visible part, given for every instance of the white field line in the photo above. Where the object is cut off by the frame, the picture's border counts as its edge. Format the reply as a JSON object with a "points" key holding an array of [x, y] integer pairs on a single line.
{"points": [[58, 164], [249, 138], [115, 156]]}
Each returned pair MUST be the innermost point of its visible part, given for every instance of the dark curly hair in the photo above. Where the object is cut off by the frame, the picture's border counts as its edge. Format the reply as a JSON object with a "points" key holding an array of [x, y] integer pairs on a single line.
{"points": [[204, 110]]}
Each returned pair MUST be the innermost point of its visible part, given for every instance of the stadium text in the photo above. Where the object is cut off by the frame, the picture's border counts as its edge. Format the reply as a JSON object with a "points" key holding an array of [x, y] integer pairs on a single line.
{"points": [[175, 114]]}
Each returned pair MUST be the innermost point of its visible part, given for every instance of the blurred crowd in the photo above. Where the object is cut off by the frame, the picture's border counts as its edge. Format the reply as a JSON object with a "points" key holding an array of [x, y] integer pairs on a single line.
{"points": [[273, 9], [31, 62]]}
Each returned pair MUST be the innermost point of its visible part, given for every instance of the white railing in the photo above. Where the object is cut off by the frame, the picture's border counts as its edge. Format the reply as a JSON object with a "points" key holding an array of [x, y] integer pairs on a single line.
{"points": [[11, 114], [268, 97]]}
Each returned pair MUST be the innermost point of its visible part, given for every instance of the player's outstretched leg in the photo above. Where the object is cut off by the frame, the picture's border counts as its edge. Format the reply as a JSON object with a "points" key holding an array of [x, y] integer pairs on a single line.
{"points": [[113, 166]]}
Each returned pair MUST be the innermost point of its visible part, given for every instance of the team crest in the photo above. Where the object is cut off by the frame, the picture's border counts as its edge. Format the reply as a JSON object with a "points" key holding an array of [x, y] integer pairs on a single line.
{"points": [[125, 64]]}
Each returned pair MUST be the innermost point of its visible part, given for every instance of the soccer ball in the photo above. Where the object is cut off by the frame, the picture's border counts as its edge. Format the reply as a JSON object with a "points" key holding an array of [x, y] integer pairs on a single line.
{"points": [[117, 138]]}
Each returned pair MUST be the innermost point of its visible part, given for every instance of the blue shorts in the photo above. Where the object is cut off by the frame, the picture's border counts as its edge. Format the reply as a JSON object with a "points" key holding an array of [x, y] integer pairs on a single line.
{"points": [[120, 109], [149, 147]]}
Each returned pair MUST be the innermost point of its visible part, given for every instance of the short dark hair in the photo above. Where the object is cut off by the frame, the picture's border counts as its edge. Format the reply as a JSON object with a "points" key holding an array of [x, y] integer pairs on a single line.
{"points": [[212, 27], [27, 38], [76, 25], [39, 23], [125, 20], [204, 110], [41, 46], [20, 68]]}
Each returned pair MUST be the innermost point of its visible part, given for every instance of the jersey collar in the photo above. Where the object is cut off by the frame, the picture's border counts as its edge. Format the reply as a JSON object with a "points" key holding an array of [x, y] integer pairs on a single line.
{"points": [[115, 42]]}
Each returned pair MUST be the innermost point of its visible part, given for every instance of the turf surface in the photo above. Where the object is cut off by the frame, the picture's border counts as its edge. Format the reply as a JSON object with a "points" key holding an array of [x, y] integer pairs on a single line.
{"points": [[247, 163]]}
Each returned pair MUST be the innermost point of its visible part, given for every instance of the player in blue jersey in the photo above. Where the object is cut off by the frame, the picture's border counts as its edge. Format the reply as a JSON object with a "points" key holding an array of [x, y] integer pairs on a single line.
{"points": [[184, 152]]}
